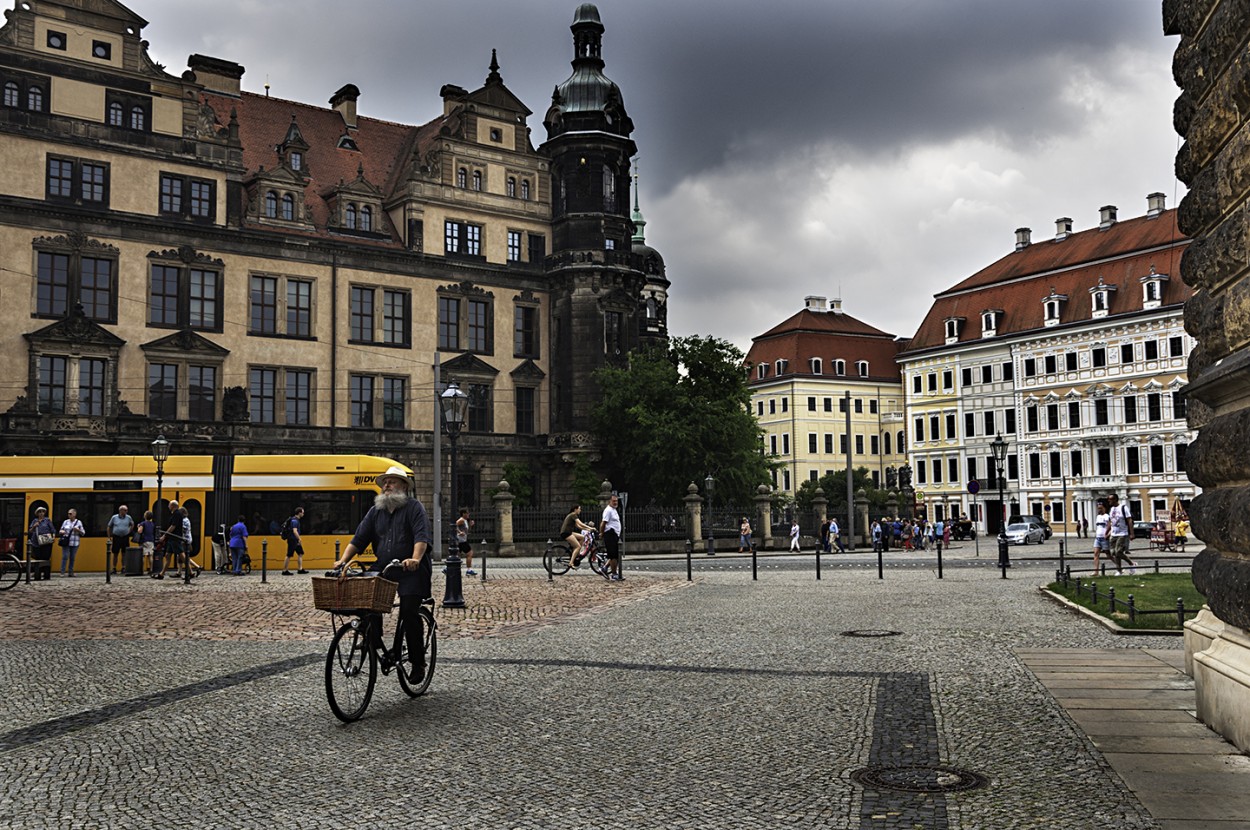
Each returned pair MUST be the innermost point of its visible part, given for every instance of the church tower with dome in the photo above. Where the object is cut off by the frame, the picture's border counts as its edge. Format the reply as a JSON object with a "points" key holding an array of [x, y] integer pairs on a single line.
{"points": [[597, 279]]}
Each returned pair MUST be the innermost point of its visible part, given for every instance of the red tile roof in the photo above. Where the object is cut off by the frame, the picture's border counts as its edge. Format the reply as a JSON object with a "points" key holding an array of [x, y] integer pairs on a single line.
{"points": [[1119, 255], [384, 148], [829, 336]]}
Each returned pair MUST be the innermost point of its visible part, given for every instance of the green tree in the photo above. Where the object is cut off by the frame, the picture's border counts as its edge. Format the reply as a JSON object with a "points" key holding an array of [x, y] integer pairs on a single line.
{"points": [[834, 485], [674, 414], [585, 482], [520, 478]]}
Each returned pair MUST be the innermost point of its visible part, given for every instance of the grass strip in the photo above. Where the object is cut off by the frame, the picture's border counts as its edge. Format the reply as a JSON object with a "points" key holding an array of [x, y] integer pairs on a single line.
{"points": [[1150, 592]]}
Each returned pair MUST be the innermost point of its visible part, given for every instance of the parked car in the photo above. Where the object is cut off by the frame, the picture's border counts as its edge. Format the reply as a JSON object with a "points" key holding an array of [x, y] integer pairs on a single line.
{"points": [[1141, 530], [1035, 521], [1023, 533]]}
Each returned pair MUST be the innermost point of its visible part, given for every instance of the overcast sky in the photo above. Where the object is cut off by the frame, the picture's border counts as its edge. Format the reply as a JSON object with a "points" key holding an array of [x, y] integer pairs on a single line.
{"points": [[879, 151]]}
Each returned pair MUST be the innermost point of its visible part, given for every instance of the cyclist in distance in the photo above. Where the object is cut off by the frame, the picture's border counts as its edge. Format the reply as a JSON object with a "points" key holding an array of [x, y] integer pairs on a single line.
{"points": [[569, 532], [398, 529]]}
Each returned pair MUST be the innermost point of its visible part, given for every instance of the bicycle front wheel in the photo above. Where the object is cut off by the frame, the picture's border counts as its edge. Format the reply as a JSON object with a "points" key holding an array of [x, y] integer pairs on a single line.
{"points": [[556, 560], [351, 671], [10, 571], [599, 564], [430, 642]]}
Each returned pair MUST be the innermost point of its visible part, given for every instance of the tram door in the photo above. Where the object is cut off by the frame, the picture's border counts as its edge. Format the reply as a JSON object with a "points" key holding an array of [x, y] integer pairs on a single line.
{"points": [[195, 512], [12, 524]]}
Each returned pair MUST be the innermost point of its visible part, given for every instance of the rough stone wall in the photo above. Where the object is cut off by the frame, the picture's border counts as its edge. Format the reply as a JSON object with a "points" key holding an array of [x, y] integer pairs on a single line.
{"points": [[1212, 114]]}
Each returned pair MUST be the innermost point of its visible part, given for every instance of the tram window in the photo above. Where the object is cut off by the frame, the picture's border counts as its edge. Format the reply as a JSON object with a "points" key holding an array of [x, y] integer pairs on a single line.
{"points": [[95, 509], [336, 512]]}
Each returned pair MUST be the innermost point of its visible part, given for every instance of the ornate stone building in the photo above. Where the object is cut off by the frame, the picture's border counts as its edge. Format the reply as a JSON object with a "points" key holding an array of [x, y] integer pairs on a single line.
{"points": [[1073, 349], [1212, 114], [252, 275]]}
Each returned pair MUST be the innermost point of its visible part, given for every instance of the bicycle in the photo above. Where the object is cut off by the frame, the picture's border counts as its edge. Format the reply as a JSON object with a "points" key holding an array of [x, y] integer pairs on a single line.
{"points": [[11, 570], [556, 559], [354, 657]]}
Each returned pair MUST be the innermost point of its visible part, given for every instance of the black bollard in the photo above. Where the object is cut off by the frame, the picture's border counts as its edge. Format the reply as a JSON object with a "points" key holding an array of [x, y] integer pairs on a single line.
{"points": [[453, 590], [264, 560], [549, 576], [689, 551], [754, 564], [880, 566], [1002, 554], [483, 549], [939, 546], [818, 563], [1061, 554]]}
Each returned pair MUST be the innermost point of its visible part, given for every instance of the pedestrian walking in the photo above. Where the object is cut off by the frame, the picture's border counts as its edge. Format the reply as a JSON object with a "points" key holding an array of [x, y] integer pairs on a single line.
{"points": [[238, 545], [120, 526], [876, 537], [463, 524], [794, 535], [145, 535], [1121, 526], [1102, 524], [39, 545], [824, 536], [835, 537], [70, 534], [294, 545], [744, 534]]}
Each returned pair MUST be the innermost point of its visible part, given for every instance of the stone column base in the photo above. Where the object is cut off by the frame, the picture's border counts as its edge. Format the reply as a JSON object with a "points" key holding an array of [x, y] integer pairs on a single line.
{"points": [[1199, 632], [1222, 685]]}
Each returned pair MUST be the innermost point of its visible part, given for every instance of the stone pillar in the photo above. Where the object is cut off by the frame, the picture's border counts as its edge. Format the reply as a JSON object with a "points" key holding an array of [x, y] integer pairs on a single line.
{"points": [[605, 492], [821, 505], [861, 516], [891, 504], [1212, 116], [764, 510], [694, 513], [503, 517]]}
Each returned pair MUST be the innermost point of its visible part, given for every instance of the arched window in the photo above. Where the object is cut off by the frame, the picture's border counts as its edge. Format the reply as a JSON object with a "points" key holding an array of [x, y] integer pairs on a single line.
{"points": [[609, 189], [366, 218], [271, 205], [902, 444], [349, 218], [12, 95], [477, 179], [512, 187], [887, 443], [34, 99], [462, 177], [839, 367], [861, 367], [117, 115], [818, 366], [525, 189], [136, 118], [288, 207]]}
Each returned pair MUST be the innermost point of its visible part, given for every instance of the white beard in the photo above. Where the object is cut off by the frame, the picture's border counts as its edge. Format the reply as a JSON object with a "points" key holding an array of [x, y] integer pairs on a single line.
{"points": [[390, 502]]}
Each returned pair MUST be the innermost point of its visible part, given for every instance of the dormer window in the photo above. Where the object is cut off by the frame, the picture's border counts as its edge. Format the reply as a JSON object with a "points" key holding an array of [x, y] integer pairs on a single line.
{"points": [[346, 142], [1152, 289], [861, 367], [817, 366], [761, 371], [1100, 299], [271, 205], [989, 321], [839, 367], [1052, 308], [349, 217], [780, 366], [366, 218], [297, 160], [953, 326], [288, 207]]}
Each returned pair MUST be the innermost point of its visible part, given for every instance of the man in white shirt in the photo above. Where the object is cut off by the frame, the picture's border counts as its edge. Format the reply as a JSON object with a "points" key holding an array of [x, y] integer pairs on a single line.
{"points": [[610, 530], [1121, 525]]}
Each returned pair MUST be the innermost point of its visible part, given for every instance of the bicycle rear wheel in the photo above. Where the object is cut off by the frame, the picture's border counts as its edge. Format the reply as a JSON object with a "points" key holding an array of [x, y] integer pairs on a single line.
{"points": [[599, 564], [10, 571], [351, 671], [430, 637], [556, 560]]}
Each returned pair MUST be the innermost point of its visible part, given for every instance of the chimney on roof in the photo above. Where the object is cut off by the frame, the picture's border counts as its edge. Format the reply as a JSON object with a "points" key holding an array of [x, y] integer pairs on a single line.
{"points": [[1024, 238], [216, 75], [345, 102], [453, 96], [1155, 204], [814, 303], [1106, 217], [1063, 228], [835, 305]]}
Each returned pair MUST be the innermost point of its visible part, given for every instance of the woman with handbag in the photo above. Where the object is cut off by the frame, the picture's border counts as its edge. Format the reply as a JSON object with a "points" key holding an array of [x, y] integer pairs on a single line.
{"points": [[70, 534], [39, 544]]}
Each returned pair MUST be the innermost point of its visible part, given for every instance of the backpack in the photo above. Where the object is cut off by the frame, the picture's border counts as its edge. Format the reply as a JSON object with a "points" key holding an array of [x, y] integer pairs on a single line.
{"points": [[286, 530]]}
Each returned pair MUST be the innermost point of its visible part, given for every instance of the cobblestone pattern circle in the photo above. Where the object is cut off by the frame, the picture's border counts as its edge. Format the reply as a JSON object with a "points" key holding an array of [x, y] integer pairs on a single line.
{"points": [[871, 632]]}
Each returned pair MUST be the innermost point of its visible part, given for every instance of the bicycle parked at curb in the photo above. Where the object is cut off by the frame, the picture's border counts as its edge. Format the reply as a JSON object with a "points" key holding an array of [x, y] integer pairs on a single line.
{"points": [[357, 652], [11, 570], [557, 558]]}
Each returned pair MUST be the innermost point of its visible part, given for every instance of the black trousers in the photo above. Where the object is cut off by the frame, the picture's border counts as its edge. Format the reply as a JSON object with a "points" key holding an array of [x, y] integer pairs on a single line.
{"points": [[414, 626], [612, 542]]}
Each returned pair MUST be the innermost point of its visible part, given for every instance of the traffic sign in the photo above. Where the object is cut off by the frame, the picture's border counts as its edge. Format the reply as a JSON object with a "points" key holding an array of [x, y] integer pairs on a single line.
{"points": [[974, 487]]}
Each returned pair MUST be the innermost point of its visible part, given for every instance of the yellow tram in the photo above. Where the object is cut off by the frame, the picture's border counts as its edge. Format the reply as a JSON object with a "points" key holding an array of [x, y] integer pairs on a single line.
{"points": [[334, 490]]}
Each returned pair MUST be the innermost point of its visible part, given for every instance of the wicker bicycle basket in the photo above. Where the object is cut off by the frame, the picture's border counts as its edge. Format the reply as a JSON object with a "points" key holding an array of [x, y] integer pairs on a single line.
{"points": [[360, 593]]}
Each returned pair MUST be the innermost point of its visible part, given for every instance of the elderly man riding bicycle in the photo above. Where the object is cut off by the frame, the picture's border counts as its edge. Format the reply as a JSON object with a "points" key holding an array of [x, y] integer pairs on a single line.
{"points": [[398, 529]]}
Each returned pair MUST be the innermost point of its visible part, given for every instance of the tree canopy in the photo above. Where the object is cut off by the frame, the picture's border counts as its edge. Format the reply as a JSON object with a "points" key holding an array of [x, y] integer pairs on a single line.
{"points": [[674, 414], [834, 485]]}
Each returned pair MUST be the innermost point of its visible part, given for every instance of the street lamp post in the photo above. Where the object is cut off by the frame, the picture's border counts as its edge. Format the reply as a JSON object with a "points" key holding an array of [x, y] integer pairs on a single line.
{"points": [[455, 404], [999, 448], [708, 484], [160, 452]]}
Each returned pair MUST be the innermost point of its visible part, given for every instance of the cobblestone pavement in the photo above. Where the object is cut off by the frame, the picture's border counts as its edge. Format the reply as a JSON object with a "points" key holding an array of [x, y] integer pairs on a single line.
{"points": [[725, 704]]}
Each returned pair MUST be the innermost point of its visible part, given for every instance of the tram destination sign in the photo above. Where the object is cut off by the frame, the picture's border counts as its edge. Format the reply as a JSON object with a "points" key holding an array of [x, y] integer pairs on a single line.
{"points": [[117, 484]]}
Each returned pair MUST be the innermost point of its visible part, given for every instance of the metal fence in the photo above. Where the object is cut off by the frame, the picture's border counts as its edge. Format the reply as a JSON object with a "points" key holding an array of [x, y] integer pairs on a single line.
{"points": [[536, 524]]}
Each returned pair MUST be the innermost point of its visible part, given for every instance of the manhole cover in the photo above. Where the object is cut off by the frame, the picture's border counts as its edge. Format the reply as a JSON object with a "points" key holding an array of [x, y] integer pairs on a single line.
{"points": [[871, 632], [920, 779]]}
